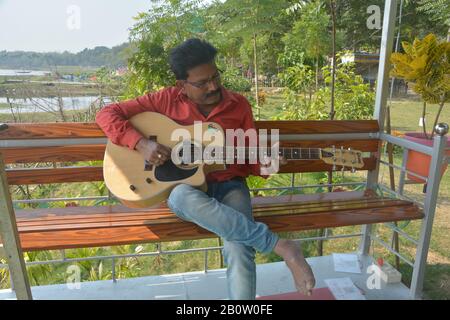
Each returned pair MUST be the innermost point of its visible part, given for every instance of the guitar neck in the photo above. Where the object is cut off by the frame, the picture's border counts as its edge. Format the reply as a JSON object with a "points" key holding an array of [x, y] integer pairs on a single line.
{"points": [[301, 153], [287, 153]]}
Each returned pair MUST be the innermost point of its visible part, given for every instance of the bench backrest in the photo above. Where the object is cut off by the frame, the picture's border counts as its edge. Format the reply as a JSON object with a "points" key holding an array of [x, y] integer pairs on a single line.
{"points": [[80, 142]]}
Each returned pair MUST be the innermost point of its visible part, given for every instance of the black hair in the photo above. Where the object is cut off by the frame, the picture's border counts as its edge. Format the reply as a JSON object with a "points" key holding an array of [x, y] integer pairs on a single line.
{"points": [[190, 54]]}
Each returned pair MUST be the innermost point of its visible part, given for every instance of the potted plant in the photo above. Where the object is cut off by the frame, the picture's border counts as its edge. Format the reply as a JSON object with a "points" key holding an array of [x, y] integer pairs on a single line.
{"points": [[426, 65]]}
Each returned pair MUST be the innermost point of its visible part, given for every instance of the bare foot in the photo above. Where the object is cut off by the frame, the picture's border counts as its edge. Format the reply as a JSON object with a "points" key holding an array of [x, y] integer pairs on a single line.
{"points": [[296, 262]]}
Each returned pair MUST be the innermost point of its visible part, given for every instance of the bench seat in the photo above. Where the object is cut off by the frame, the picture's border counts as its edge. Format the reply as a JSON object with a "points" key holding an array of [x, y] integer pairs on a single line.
{"points": [[76, 227], [62, 146]]}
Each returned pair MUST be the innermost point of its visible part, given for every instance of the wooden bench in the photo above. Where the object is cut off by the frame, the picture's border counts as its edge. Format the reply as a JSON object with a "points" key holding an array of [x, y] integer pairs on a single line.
{"points": [[92, 226]]}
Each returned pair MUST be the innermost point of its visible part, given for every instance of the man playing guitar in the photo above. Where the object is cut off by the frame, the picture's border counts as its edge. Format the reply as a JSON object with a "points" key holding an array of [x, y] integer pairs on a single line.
{"points": [[225, 209]]}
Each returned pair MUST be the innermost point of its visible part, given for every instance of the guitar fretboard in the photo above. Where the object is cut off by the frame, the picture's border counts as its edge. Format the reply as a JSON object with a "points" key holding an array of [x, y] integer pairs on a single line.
{"points": [[246, 153], [300, 153], [287, 153]]}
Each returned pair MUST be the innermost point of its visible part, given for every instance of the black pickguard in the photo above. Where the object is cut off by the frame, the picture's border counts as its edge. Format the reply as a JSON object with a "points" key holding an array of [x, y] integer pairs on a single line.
{"points": [[170, 172]]}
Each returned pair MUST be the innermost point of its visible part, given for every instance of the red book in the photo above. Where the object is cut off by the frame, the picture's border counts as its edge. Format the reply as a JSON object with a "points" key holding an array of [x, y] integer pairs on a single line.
{"points": [[317, 294]]}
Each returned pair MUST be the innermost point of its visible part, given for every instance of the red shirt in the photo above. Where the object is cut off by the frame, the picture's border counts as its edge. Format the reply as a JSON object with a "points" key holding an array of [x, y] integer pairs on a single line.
{"points": [[233, 112]]}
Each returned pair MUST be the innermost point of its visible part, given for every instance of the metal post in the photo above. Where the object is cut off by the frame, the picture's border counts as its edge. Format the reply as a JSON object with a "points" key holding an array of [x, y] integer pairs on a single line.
{"points": [[434, 177], [206, 261], [11, 241], [11, 282], [113, 269], [386, 47], [387, 44], [2, 250], [401, 185]]}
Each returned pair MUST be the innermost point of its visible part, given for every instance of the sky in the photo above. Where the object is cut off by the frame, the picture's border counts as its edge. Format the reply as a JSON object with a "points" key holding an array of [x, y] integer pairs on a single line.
{"points": [[66, 25]]}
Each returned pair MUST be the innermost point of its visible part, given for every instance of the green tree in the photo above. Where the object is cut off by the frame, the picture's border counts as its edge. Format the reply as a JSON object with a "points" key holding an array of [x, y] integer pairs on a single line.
{"points": [[353, 98], [310, 34], [154, 34], [438, 10], [249, 20]]}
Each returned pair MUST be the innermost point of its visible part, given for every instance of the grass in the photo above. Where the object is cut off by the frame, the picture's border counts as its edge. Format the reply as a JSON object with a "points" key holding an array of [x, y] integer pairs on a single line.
{"points": [[405, 114], [54, 89], [32, 117]]}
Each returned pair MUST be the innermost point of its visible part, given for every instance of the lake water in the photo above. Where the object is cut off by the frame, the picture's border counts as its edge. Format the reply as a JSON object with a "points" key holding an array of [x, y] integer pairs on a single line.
{"points": [[9, 72], [70, 103]]}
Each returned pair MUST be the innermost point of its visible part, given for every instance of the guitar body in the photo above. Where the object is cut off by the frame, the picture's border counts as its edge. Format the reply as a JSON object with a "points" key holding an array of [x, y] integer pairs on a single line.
{"points": [[136, 183]]}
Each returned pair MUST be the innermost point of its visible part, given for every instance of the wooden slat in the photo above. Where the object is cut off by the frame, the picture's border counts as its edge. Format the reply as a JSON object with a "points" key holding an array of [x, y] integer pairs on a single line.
{"points": [[153, 218], [30, 214], [58, 175], [299, 208], [360, 145], [341, 218], [54, 154], [85, 174], [91, 130], [174, 231], [96, 152], [51, 131], [82, 211], [320, 166], [55, 216], [322, 126]]}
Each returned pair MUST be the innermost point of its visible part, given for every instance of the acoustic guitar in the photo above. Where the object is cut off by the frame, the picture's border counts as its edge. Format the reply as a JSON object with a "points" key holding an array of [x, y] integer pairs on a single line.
{"points": [[196, 150]]}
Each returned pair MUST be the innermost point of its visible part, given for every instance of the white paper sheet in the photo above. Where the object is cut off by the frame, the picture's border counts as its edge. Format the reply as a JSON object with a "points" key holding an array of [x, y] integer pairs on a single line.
{"points": [[344, 289], [344, 262]]}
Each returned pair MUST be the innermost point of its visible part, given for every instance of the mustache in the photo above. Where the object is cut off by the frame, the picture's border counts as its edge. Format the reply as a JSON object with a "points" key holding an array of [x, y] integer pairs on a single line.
{"points": [[213, 93]]}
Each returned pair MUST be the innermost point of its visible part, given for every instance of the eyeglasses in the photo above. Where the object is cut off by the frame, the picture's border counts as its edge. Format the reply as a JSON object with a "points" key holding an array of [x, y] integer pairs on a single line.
{"points": [[203, 84]]}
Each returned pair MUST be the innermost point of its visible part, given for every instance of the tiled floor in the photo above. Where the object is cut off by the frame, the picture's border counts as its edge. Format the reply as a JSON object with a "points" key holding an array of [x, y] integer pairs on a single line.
{"points": [[272, 279]]}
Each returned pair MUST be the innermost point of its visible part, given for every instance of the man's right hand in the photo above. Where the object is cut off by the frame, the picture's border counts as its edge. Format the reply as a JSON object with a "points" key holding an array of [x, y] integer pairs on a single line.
{"points": [[155, 153]]}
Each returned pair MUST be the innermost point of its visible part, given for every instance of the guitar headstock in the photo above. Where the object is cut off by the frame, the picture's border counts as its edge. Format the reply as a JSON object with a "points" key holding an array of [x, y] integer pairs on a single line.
{"points": [[342, 157]]}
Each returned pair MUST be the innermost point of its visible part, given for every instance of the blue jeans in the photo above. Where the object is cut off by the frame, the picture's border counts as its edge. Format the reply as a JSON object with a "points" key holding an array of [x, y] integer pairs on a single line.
{"points": [[226, 211]]}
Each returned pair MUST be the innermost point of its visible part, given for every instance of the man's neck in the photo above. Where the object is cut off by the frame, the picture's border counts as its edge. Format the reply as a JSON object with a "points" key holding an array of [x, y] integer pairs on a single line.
{"points": [[205, 110]]}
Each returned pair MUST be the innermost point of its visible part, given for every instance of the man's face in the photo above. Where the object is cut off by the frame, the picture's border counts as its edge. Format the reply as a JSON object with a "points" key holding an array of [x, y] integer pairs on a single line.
{"points": [[202, 85]]}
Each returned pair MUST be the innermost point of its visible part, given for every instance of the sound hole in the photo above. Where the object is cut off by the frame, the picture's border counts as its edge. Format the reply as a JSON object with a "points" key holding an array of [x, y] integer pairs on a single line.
{"points": [[190, 153], [170, 172]]}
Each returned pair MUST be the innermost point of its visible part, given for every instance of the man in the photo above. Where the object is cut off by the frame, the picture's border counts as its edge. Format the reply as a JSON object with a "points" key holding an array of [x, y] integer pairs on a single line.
{"points": [[225, 209]]}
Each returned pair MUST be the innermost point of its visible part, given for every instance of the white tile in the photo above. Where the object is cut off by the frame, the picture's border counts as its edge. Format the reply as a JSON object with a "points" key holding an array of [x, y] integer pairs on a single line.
{"points": [[211, 285], [273, 278]]}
